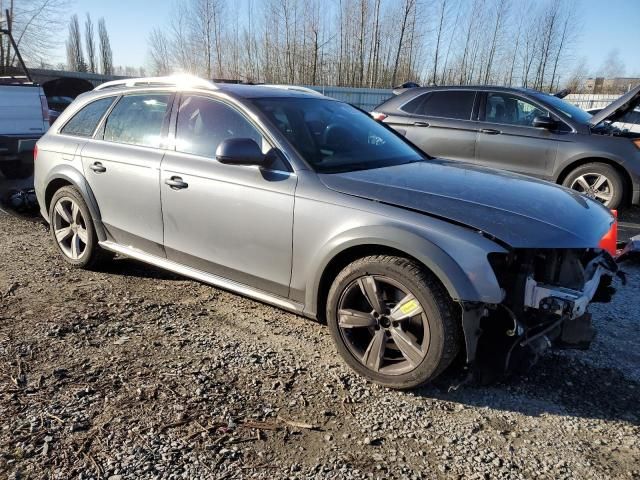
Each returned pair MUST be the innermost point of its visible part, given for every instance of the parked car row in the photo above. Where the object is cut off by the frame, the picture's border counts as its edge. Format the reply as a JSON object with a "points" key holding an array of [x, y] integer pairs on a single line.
{"points": [[309, 204], [528, 132]]}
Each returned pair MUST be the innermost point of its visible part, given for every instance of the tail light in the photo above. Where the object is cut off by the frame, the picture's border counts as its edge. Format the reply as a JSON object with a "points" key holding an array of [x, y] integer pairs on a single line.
{"points": [[609, 241], [45, 109], [378, 116], [636, 142], [35, 153]]}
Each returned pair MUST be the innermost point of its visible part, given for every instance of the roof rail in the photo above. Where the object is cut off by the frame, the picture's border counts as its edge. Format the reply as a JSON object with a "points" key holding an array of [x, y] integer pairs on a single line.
{"points": [[172, 81]]}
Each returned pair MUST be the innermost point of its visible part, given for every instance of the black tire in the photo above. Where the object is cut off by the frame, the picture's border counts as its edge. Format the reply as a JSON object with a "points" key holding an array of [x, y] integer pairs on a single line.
{"points": [[92, 255], [440, 312], [615, 183]]}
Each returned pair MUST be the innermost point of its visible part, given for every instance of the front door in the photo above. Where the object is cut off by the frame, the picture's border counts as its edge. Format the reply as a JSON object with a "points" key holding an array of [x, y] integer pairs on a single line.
{"points": [[232, 221], [508, 140], [122, 166]]}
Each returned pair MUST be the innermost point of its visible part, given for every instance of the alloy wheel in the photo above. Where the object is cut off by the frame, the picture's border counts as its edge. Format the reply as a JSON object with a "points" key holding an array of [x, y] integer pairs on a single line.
{"points": [[594, 185], [383, 325], [70, 228]]}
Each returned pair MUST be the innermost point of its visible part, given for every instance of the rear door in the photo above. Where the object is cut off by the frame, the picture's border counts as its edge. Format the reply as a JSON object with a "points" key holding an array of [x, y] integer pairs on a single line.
{"points": [[233, 221], [440, 123], [122, 166], [508, 140]]}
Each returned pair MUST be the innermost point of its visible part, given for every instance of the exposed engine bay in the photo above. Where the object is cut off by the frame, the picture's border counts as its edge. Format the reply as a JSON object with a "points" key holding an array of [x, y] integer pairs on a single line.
{"points": [[546, 293]]}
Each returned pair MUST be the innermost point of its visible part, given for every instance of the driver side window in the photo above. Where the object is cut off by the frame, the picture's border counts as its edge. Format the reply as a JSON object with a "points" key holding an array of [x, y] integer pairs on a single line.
{"points": [[507, 109], [203, 123]]}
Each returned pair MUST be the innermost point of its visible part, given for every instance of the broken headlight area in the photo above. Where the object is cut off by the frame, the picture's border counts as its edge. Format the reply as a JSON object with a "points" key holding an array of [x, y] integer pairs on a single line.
{"points": [[545, 298]]}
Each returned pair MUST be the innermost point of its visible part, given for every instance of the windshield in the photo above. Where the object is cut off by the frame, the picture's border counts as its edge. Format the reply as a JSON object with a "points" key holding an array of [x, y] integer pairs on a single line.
{"points": [[567, 108], [334, 136]]}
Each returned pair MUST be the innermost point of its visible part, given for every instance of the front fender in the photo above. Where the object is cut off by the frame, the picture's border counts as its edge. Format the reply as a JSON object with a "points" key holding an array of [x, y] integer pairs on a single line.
{"points": [[456, 255], [71, 175]]}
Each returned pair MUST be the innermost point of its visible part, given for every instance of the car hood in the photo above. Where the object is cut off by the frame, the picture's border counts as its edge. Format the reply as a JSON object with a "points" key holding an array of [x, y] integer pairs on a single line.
{"points": [[617, 109], [517, 210]]}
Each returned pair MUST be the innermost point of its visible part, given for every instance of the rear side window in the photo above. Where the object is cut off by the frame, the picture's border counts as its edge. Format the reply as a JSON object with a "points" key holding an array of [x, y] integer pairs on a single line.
{"points": [[137, 120], [453, 104], [84, 123], [203, 123]]}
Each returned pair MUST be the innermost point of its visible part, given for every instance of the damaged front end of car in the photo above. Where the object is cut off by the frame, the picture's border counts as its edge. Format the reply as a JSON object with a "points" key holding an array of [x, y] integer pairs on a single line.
{"points": [[546, 293]]}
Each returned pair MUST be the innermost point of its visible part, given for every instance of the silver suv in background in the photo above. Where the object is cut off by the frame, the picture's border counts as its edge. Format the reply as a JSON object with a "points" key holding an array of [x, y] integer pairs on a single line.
{"points": [[308, 204], [525, 131]]}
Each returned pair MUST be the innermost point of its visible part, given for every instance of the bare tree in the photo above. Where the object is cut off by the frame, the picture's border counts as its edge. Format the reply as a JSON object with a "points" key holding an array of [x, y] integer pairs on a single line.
{"points": [[75, 57], [35, 26], [159, 52], [90, 43], [500, 16], [408, 8], [443, 9], [106, 56]]}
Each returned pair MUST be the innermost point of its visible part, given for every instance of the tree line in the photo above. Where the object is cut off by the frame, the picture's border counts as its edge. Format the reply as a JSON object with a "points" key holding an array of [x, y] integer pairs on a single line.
{"points": [[370, 43], [91, 58], [36, 25]]}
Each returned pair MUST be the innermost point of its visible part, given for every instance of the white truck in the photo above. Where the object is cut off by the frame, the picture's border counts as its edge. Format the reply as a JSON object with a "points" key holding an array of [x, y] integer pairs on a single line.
{"points": [[24, 118]]}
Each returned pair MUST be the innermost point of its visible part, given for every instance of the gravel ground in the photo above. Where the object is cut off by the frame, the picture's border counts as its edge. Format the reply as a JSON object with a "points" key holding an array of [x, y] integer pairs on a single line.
{"points": [[131, 372]]}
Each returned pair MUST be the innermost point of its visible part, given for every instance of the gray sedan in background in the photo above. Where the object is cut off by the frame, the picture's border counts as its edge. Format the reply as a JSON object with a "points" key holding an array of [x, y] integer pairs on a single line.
{"points": [[525, 131], [308, 204]]}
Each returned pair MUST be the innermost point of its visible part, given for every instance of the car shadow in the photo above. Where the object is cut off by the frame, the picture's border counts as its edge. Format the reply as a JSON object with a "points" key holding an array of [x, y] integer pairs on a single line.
{"points": [[128, 267], [556, 385]]}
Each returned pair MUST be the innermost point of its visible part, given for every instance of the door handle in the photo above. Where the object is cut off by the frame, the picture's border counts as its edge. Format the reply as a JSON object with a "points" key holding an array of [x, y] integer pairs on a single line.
{"points": [[490, 131], [176, 183], [98, 167], [420, 124]]}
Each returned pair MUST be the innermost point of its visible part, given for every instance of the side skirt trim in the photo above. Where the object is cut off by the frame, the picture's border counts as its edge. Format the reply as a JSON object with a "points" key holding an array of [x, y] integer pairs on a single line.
{"points": [[214, 280]]}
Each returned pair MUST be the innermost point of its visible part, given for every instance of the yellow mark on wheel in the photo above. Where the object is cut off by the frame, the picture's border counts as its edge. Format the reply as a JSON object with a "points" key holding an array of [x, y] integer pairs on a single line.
{"points": [[409, 307]]}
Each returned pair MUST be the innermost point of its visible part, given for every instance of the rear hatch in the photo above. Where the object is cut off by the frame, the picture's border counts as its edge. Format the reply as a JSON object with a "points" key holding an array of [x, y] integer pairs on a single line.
{"points": [[21, 110]]}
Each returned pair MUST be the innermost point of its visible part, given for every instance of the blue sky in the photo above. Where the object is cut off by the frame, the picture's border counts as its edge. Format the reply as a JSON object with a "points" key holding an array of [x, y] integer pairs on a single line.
{"points": [[607, 25]]}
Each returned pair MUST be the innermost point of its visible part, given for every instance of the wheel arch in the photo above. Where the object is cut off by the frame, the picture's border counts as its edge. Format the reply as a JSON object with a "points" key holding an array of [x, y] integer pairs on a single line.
{"points": [[69, 176], [626, 177], [401, 243]]}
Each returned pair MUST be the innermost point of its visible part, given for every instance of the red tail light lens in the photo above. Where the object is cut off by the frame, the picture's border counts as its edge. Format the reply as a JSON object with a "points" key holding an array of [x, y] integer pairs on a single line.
{"points": [[45, 108], [609, 241], [35, 152], [378, 116]]}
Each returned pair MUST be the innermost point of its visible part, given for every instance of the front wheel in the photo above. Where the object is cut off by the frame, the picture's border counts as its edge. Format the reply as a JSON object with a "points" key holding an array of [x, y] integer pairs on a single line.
{"points": [[392, 321], [599, 181]]}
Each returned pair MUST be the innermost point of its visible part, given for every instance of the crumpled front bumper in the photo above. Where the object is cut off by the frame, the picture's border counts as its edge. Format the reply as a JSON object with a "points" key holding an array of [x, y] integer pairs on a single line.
{"points": [[566, 302]]}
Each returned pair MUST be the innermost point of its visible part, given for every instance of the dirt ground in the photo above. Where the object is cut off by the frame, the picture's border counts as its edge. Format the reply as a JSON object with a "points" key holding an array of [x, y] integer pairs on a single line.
{"points": [[131, 372]]}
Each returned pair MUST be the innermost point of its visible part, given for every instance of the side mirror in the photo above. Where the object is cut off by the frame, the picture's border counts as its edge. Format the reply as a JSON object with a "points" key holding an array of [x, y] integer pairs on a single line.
{"points": [[239, 151], [544, 122]]}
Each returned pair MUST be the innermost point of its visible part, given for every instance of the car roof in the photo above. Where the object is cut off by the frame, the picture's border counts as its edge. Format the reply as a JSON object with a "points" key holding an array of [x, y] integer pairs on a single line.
{"points": [[397, 101], [474, 88], [187, 82]]}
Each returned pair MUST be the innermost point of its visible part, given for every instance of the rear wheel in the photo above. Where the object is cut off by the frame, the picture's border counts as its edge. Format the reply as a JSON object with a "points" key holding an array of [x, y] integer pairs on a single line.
{"points": [[72, 229], [392, 321], [599, 181]]}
